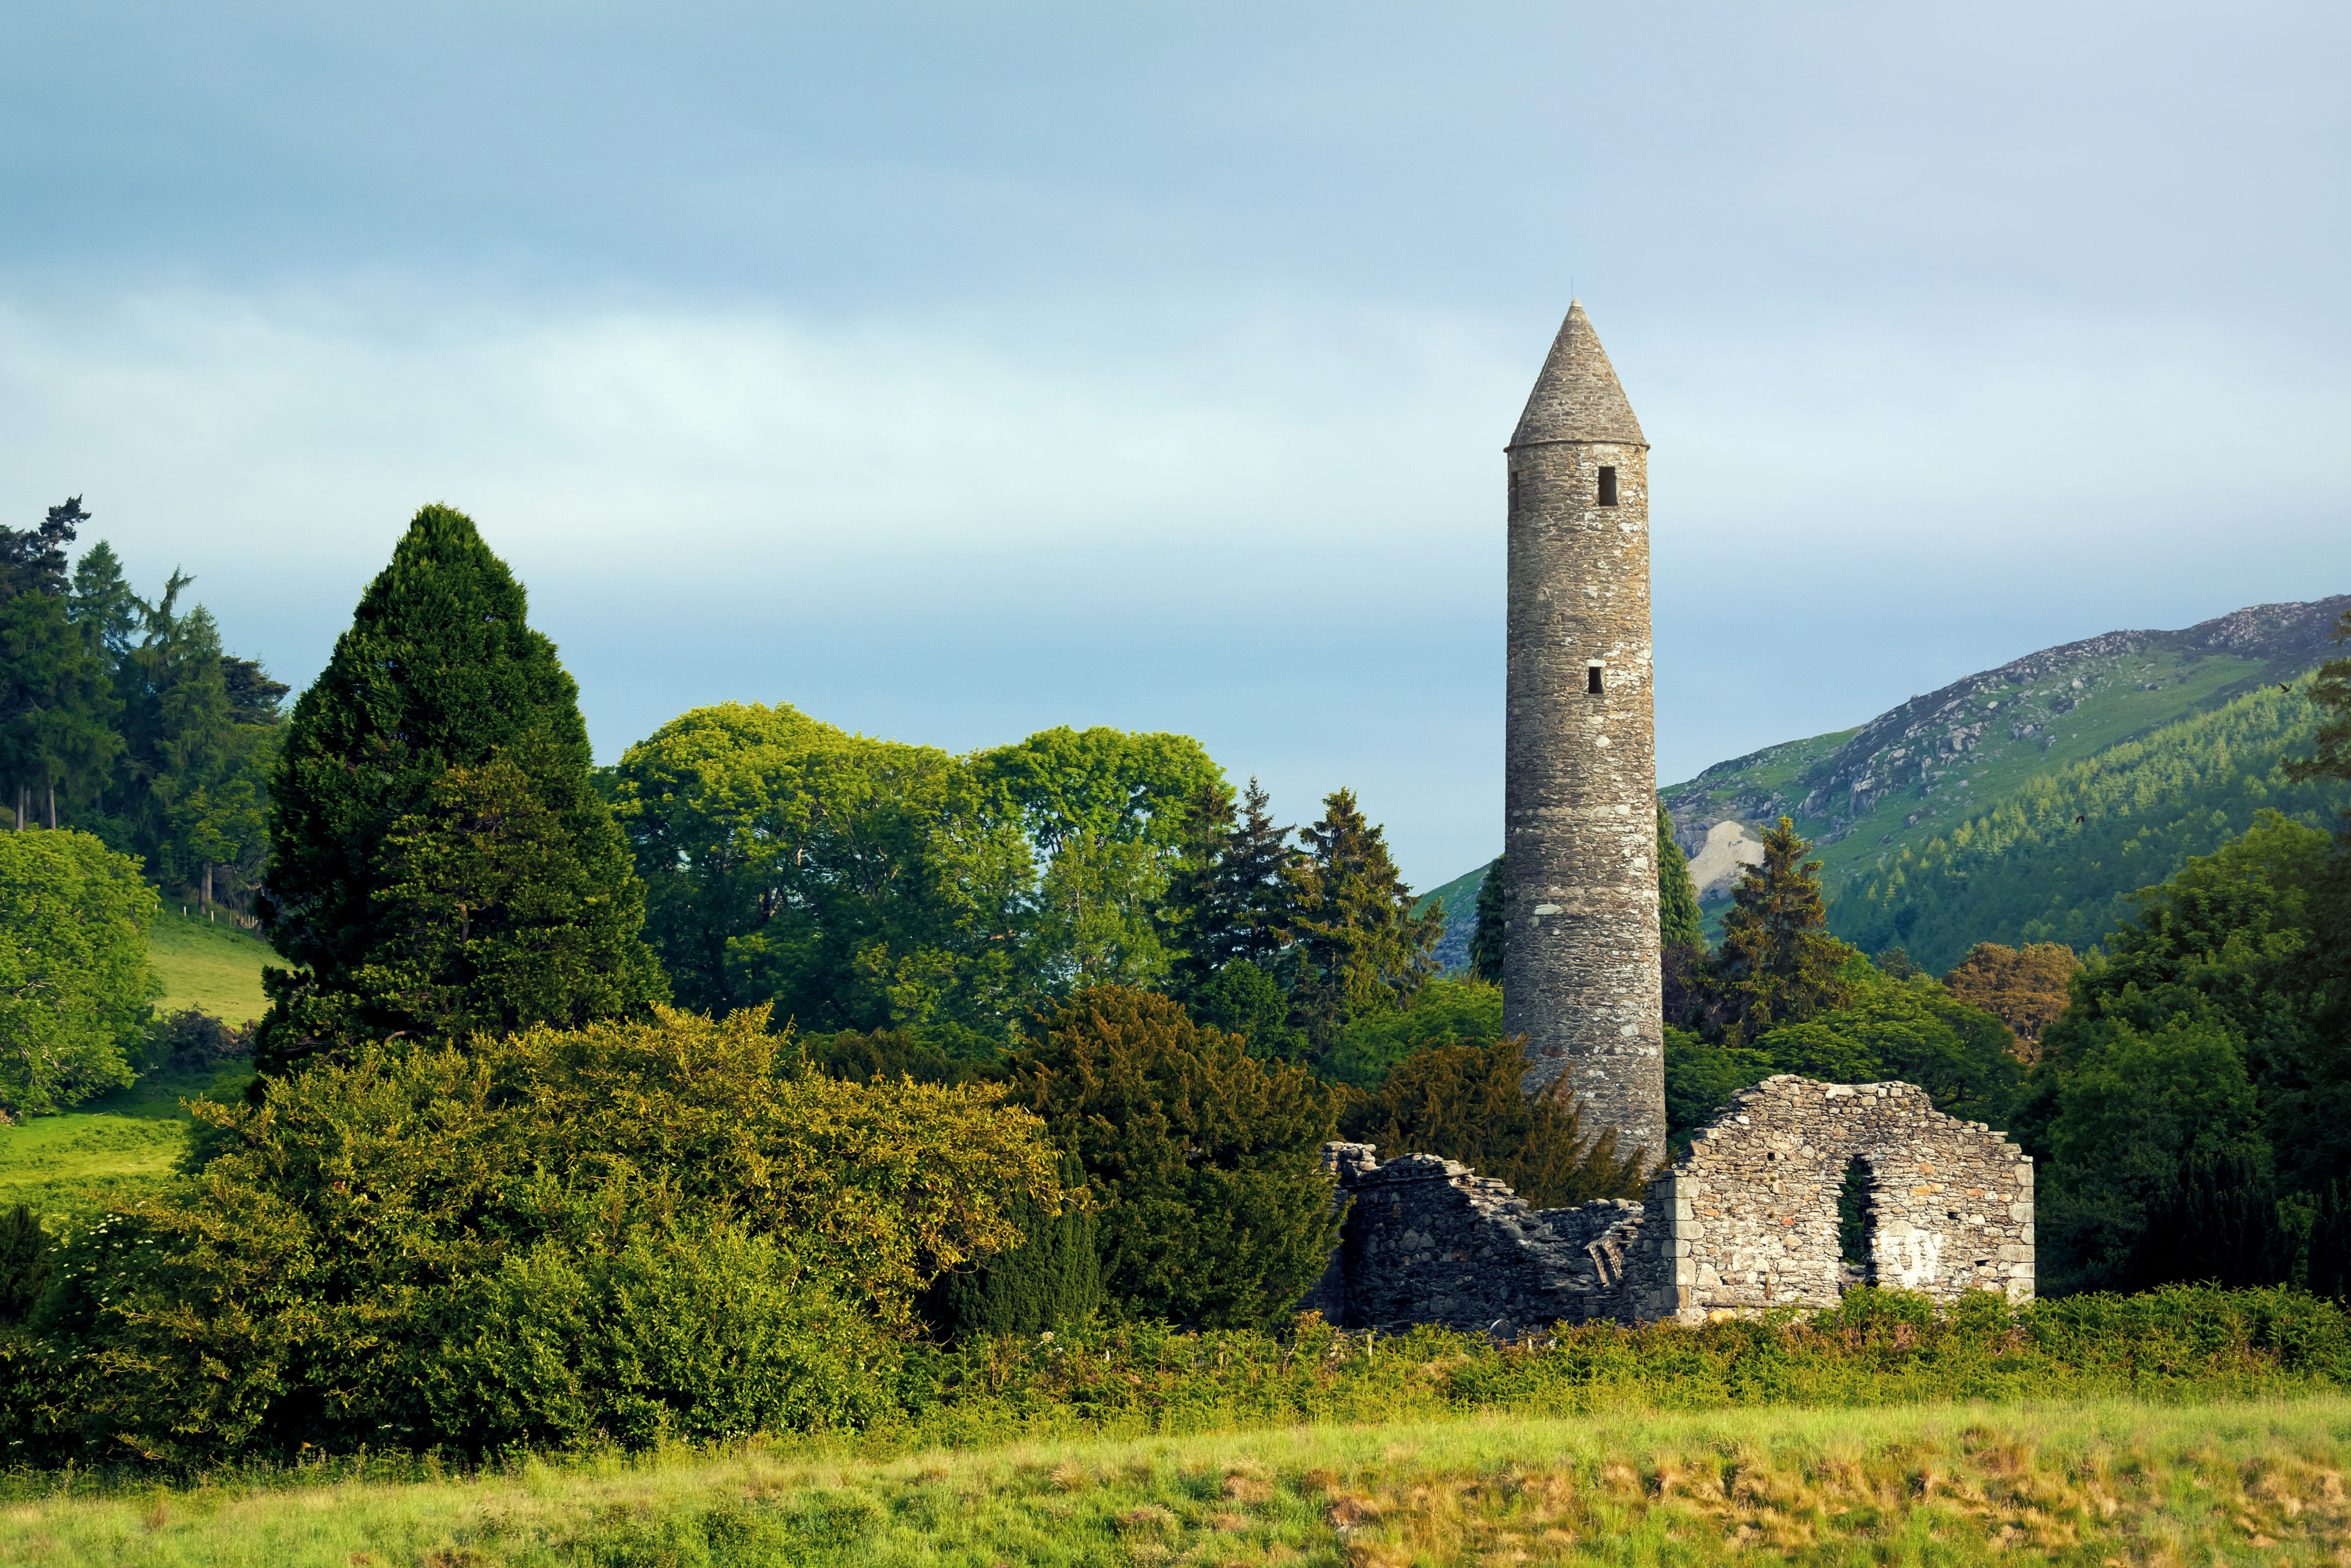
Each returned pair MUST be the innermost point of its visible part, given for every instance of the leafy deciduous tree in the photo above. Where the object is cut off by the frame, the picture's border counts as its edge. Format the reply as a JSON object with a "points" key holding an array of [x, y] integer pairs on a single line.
{"points": [[74, 980]]}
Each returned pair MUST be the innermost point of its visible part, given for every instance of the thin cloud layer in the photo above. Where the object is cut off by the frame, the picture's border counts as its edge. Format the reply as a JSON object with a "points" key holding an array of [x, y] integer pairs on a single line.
{"points": [[953, 376]]}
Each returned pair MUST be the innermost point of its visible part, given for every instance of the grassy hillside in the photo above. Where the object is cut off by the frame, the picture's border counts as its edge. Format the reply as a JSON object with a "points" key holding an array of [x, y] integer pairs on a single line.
{"points": [[68, 1166], [2163, 742], [209, 965], [2113, 1482], [1460, 900]]}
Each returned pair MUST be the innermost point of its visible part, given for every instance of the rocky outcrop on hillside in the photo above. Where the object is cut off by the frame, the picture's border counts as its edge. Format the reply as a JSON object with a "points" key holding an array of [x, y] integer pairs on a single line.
{"points": [[1846, 776]]}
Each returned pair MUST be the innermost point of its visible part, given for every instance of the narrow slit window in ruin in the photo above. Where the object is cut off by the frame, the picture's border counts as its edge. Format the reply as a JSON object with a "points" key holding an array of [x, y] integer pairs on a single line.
{"points": [[1514, 489], [1853, 1222], [1592, 679], [1608, 486]]}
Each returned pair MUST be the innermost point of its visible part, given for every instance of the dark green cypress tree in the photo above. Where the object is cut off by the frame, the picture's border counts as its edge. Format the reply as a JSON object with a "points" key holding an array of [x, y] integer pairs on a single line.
{"points": [[440, 861], [1678, 922], [1051, 1280]]}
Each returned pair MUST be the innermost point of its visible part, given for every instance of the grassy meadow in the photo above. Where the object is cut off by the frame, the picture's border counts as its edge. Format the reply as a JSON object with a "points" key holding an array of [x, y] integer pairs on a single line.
{"points": [[208, 965], [68, 1165], [2098, 1482]]}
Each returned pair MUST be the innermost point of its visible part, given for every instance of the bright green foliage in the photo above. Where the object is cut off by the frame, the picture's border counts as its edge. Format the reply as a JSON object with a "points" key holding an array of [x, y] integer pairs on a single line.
{"points": [[1680, 924], [1466, 1103], [1106, 811], [1493, 924], [27, 1263], [1911, 1029], [1777, 963], [1700, 1078], [438, 672], [860, 884], [866, 885], [1914, 1031], [1448, 1010], [1216, 1209], [1050, 1282], [1360, 950], [74, 980], [550, 1233]]}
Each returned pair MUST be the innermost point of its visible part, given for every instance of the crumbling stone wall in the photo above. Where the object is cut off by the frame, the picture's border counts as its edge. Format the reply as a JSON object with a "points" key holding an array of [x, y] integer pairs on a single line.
{"points": [[1747, 1222], [1429, 1240], [1750, 1212]]}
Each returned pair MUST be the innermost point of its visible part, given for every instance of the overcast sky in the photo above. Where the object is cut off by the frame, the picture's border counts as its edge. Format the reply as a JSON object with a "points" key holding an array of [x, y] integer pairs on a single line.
{"points": [[956, 371]]}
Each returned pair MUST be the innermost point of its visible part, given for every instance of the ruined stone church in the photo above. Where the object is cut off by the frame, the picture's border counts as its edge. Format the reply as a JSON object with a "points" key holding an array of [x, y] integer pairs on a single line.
{"points": [[1747, 1220]]}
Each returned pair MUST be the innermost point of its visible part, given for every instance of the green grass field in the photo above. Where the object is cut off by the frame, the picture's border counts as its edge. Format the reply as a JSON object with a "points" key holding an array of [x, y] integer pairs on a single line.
{"points": [[2097, 1483], [209, 965], [68, 1165]]}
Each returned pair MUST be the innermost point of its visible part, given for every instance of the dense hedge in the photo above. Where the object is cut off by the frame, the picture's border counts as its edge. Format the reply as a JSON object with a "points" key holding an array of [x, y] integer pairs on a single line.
{"points": [[2175, 1345]]}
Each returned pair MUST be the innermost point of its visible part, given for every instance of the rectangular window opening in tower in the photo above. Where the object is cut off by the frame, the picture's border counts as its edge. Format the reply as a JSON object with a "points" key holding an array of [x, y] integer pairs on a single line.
{"points": [[1514, 489], [1608, 486], [1592, 678]]}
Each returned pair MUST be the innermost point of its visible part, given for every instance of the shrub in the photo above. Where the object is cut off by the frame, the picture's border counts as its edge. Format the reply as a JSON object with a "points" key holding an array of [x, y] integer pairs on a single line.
{"points": [[592, 1223], [25, 1264], [1051, 1280], [1465, 1102], [193, 1040], [1208, 1162]]}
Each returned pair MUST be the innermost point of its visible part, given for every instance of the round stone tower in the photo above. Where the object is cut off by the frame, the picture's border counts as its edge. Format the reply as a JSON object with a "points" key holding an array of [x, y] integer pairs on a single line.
{"points": [[1579, 964]]}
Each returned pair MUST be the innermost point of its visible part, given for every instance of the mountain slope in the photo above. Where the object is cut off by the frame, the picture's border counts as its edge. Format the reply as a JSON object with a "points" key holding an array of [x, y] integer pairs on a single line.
{"points": [[2022, 804], [1951, 819]]}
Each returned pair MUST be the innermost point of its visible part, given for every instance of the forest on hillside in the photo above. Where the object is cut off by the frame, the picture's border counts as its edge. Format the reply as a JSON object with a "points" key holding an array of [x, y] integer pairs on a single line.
{"points": [[2063, 858]]}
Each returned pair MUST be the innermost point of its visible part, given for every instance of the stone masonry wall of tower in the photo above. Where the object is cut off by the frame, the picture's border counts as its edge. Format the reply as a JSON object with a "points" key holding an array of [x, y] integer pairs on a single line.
{"points": [[1580, 972]]}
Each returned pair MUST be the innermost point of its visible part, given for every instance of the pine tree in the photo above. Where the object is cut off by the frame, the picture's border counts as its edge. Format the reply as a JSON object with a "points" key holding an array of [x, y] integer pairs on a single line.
{"points": [[1215, 1208], [403, 908], [1777, 963], [56, 706], [1361, 950], [1680, 924], [1224, 898]]}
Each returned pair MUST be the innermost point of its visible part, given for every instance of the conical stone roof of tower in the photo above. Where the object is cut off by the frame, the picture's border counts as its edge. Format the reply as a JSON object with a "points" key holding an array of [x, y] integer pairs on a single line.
{"points": [[1576, 398]]}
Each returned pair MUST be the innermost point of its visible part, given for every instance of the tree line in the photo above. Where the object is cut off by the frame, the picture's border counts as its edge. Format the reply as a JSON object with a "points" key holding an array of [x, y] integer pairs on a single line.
{"points": [[681, 1098], [127, 718]]}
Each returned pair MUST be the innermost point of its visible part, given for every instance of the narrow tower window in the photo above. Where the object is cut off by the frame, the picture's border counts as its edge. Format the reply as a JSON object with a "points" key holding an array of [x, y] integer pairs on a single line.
{"points": [[1514, 489], [1608, 486], [1592, 678]]}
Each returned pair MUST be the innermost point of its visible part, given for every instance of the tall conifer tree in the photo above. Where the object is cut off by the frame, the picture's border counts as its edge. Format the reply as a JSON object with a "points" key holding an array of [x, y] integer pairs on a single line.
{"points": [[441, 863], [1680, 924]]}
